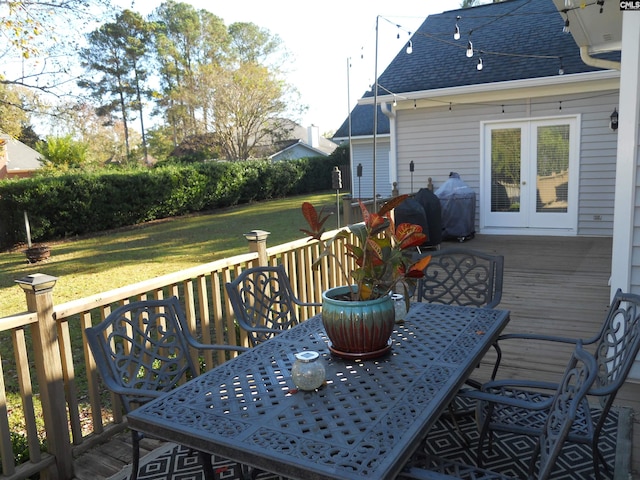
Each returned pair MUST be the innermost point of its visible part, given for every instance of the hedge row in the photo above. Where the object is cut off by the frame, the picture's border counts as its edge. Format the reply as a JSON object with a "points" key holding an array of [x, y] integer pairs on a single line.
{"points": [[75, 204]]}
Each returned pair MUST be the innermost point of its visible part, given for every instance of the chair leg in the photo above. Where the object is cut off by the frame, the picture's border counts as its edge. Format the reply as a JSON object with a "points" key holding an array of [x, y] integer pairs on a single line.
{"points": [[496, 365], [207, 467], [454, 420], [135, 463]]}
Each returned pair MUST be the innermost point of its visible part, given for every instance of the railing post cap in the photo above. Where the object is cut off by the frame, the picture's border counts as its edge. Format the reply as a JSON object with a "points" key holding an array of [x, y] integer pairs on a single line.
{"points": [[37, 282], [257, 235]]}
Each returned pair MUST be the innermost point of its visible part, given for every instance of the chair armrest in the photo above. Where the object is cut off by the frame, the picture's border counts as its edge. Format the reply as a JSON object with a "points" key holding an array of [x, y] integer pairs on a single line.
{"points": [[209, 346], [306, 304], [489, 393], [535, 336]]}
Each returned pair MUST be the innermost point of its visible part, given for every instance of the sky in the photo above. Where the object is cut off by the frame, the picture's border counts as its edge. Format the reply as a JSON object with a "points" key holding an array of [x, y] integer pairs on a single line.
{"points": [[323, 38]]}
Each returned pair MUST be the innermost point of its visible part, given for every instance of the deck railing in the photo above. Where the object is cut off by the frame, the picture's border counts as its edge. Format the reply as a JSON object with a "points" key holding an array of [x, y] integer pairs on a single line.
{"points": [[52, 358]]}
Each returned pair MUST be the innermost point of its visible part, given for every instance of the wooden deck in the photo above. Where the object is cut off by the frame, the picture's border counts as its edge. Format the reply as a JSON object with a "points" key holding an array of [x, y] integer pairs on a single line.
{"points": [[554, 285]]}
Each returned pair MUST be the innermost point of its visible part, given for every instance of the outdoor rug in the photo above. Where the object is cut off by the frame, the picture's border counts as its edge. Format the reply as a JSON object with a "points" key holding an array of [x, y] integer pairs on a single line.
{"points": [[509, 456]]}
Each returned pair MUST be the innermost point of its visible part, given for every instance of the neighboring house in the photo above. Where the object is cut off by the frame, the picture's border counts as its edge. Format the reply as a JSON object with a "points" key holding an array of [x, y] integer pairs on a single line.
{"points": [[17, 160], [448, 116], [300, 143]]}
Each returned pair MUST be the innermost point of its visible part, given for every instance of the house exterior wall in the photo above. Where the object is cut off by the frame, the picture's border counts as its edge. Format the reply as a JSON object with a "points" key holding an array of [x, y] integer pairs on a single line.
{"points": [[297, 151], [362, 152], [440, 140]]}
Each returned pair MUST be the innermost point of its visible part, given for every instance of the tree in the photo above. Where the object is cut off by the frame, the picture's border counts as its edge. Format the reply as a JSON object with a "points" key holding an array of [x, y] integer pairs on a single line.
{"points": [[247, 106], [104, 139], [117, 52], [31, 31], [62, 153], [13, 114], [189, 43]]}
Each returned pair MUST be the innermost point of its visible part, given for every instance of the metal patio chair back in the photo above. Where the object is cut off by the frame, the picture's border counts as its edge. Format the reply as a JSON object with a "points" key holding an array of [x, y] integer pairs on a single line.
{"points": [[615, 346], [263, 302], [563, 409], [461, 276], [142, 350]]}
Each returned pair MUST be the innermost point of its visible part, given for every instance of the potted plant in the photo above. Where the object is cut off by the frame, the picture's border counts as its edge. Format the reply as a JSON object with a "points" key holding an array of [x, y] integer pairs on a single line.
{"points": [[359, 316]]}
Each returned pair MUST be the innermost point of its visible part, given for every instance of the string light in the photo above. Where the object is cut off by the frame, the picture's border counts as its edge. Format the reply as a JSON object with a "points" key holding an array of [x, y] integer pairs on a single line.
{"points": [[456, 32], [527, 104], [565, 29], [480, 65], [410, 48], [469, 49]]}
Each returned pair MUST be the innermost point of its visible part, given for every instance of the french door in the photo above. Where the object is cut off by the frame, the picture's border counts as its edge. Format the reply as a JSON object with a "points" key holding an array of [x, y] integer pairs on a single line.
{"points": [[530, 173]]}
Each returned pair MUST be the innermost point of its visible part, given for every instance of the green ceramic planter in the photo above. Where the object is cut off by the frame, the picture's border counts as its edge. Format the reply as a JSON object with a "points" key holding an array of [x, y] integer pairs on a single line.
{"points": [[357, 329]]}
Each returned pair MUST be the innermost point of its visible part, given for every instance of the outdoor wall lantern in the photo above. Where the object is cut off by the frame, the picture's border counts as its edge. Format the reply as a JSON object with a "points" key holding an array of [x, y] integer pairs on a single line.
{"points": [[613, 123], [37, 282]]}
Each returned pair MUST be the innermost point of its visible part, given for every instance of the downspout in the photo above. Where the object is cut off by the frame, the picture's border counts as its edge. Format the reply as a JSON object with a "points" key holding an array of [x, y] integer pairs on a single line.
{"points": [[393, 165], [597, 62]]}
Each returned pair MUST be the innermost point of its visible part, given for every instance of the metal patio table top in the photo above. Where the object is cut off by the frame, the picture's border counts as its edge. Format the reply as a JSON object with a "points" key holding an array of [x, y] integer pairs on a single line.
{"points": [[365, 422]]}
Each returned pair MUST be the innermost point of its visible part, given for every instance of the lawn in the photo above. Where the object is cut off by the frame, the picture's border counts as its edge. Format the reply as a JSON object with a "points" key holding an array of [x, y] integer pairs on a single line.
{"points": [[87, 266]]}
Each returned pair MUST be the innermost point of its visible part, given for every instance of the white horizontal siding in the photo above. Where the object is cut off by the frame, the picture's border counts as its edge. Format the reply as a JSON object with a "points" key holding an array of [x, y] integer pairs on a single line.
{"points": [[363, 154]]}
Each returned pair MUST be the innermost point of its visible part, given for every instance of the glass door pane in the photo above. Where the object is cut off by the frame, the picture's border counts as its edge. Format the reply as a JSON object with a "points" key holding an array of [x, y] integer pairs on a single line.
{"points": [[505, 169], [552, 172]]}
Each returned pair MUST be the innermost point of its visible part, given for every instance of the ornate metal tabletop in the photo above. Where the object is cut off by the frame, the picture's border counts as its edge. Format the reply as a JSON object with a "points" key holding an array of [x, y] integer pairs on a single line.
{"points": [[365, 422]]}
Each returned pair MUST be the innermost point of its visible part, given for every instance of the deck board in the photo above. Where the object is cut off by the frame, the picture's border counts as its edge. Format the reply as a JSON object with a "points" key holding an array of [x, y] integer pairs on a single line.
{"points": [[553, 285]]}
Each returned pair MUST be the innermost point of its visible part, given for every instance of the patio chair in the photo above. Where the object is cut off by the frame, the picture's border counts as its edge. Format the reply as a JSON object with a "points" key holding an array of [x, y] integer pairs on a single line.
{"points": [[461, 276], [465, 277], [142, 350], [557, 421], [263, 302], [615, 348]]}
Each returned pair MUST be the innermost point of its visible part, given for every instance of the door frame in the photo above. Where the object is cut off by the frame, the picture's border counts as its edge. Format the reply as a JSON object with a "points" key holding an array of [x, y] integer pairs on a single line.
{"points": [[568, 228]]}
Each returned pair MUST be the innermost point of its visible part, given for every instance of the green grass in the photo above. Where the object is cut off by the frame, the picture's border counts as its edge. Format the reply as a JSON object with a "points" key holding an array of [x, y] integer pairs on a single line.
{"points": [[114, 259]]}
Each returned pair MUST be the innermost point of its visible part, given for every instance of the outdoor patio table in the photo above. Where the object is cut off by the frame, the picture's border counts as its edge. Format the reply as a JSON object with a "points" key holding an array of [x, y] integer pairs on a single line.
{"points": [[365, 422]]}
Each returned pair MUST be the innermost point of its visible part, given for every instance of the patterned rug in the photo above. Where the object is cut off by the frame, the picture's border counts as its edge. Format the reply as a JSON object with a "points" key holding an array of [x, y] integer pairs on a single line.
{"points": [[509, 456]]}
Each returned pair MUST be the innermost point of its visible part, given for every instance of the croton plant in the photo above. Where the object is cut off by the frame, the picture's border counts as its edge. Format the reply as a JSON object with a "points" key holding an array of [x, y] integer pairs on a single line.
{"points": [[384, 252]]}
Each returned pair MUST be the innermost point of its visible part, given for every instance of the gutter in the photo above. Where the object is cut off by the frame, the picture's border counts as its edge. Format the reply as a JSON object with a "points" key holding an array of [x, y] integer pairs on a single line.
{"points": [[483, 88], [597, 62]]}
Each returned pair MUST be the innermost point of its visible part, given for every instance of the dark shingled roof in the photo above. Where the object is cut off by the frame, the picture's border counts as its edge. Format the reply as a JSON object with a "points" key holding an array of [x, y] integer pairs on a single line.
{"points": [[525, 36]]}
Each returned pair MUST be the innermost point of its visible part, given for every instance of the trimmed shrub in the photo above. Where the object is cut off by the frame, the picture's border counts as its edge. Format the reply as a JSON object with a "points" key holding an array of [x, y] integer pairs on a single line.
{"points": [[73, 204]]}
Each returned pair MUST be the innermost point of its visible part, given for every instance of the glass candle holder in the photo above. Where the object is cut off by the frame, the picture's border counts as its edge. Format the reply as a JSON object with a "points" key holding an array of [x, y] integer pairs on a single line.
{"points": [[308, 371], [399, 306]]}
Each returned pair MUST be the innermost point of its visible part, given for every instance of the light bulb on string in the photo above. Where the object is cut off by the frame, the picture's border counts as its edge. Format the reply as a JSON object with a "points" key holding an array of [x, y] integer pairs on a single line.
{"points": [[480, 65], [469, 49], [410, 48], [456, 31], [565, 29]]}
